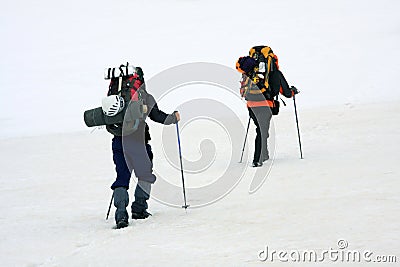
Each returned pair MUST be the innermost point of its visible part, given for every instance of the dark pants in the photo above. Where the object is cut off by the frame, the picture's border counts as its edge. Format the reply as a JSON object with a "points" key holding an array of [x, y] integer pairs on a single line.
{"points": [[262, 118], [132, 153], [138, 157]]}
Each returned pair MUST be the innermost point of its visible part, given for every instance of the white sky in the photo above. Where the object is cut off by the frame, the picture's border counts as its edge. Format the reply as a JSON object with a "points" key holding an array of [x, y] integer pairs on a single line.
{"points": [[54, 53]]}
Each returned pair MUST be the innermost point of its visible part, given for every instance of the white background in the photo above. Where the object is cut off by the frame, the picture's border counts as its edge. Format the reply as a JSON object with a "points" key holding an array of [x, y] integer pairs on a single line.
{"points": [[54, 52]]}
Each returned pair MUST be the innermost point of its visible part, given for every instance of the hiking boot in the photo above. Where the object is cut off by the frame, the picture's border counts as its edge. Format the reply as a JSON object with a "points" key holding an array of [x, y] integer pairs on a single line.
{"points": [[139, 206], [121, 201], [140, 215], [122, 223], [257, 164]]}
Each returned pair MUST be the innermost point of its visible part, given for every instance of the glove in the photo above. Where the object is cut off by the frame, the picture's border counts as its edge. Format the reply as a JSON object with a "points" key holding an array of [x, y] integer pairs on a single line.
{"points": [[177, 116], [294, 90]]}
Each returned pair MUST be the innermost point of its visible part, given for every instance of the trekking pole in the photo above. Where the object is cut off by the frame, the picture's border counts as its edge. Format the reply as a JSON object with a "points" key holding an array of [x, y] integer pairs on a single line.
{"points": [[180, 158], [297, 123], [109, 207], [245, 139]]}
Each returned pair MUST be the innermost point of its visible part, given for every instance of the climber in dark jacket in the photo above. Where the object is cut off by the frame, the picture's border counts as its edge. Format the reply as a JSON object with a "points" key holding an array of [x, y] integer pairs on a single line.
{"points": [[132, 152]]}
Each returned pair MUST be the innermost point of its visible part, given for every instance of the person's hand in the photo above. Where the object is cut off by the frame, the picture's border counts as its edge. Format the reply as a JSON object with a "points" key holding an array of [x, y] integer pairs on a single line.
{"points": [[294, 90], [177, 115]]}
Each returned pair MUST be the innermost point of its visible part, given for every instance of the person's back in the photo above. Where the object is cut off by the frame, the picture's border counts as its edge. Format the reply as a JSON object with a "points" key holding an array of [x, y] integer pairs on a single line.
{"points": [[130, 152], [261, 84], [124, 112]]}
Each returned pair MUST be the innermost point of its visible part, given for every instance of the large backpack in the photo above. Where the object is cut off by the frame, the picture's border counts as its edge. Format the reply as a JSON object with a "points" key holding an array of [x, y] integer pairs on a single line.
{"points": [[130, 86], [126, 82], [267, 62]]}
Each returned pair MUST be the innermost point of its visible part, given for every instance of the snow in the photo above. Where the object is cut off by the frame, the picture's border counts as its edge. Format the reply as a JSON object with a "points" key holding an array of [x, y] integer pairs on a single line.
{"points": [[55, 173], [55, 193]]}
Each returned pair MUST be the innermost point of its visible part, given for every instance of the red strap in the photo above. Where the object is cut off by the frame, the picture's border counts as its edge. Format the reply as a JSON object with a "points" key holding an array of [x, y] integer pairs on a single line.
{"points": [[136, 84]]}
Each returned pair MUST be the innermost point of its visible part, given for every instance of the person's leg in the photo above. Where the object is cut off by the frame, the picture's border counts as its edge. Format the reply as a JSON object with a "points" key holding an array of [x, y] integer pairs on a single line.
{"points": [[139, 206], [264, 115], [257, 142], [138, 155], [142, 193], [262, 118], [121, 184], [121, 201], [123, 172], [266, 121], [269, 117]]}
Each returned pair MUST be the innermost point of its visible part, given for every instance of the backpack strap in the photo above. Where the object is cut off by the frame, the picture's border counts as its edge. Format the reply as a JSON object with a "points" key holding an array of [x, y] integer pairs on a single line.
{"points": [[266, 55], [269, 64], [119, 86]]}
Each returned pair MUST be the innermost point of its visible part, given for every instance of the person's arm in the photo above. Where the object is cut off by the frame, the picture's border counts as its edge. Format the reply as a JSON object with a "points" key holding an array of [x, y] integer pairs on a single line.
{"points": [[157, 115], [277, 80]]}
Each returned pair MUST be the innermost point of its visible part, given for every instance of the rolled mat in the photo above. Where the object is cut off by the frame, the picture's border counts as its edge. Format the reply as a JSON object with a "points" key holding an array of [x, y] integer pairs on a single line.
{"points": [[96, 117]]}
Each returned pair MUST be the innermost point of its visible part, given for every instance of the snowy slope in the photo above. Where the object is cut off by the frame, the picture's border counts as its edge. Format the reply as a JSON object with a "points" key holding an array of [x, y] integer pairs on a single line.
{"points": [[55, 192]]}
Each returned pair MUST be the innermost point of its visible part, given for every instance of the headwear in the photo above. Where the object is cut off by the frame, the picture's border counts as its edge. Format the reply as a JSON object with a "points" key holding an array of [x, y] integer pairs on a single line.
{"points": [[112, 105], [246, 64]]}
